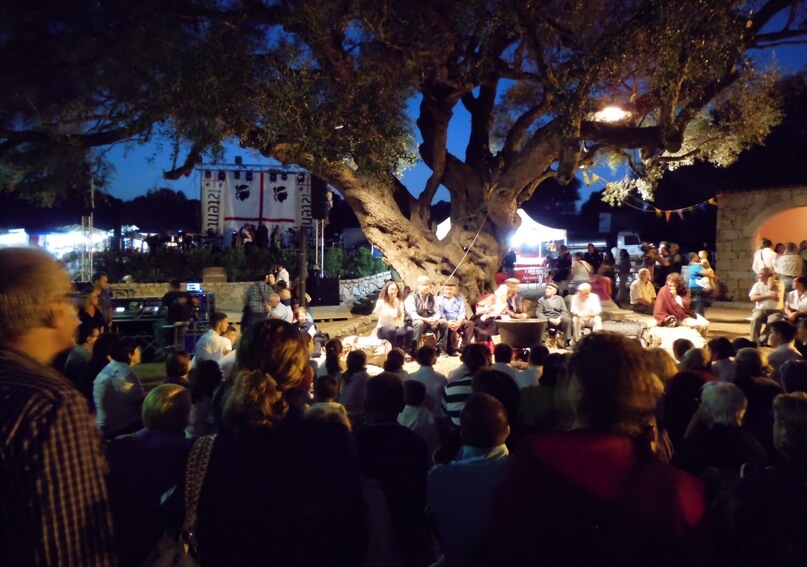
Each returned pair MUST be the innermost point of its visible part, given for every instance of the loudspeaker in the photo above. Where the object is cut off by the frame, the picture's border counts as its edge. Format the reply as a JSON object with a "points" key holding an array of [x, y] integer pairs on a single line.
{"points": [[321, 199], [323, 291]]}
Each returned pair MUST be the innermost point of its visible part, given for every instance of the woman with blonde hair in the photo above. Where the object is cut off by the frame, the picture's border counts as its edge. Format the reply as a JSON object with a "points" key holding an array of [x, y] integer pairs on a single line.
{"points": [[89, 312], [265, 491]]}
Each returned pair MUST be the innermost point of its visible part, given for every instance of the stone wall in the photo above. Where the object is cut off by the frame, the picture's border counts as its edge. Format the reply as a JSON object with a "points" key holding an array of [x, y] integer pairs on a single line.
{"points": [[740, 215], [352, 291]]}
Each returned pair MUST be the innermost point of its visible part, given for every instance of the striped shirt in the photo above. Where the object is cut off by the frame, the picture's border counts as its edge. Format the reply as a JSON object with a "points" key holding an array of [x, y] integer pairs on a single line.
{"points": [[53, 500], [454, 396]]}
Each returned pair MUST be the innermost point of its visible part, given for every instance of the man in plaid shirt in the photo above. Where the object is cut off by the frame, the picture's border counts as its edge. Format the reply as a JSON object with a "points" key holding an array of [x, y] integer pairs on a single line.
{"points": [[256, 301], [53, 501]]}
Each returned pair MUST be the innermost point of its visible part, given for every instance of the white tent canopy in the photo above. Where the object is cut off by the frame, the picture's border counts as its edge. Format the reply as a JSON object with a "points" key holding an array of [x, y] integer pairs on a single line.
{"points": [[530, 232]]}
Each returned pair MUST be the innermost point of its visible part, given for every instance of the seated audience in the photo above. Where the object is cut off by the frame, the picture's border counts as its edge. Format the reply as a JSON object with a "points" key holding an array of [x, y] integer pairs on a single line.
{"points": [[502, 357], [351, 384], [642, 293], [265, 490], [461, 492], [721, 353], [715, 445], [742, 342], [672, 307], [389, 309], [212, 345], [680, 348], [782, 335], [475, 357], [177, 368], [118, 393], [585, 309], [417, 417], [433, 381], [796, 300], [204, 380], [752, 375], [535, 366], [143, 468], [394, 363], [768, 303], [793, 376], [576, 497], [101, 355], [697, 360], [398, 459], [538, 408], [763, 519], [499, 385], [305, 324], [333, 362], [80, 355], [682, 392], [662, 364], [326, 389]]}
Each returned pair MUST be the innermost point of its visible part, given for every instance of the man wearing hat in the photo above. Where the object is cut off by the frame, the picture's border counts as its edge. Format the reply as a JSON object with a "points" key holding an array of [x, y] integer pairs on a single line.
{"points": [[453, 308], [514, 308], [422, 310], [552, 307]]}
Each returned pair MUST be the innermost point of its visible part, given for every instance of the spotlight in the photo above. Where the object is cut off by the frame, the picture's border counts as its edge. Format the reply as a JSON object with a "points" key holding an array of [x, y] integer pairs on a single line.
{"points": [[222, 176], [237, 174], [208, 174], [248, 176]]}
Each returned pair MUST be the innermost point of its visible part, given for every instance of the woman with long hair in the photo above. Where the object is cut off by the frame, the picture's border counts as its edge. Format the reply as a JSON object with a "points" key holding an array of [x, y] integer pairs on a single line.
{"points": [[264, 491], [333, 359], [390, 312], [352, 383], [672, 307]]}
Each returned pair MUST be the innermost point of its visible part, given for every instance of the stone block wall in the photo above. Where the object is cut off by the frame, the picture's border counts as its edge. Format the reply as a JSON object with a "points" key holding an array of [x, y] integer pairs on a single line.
{"points": [[740, 215], [352, 291]]}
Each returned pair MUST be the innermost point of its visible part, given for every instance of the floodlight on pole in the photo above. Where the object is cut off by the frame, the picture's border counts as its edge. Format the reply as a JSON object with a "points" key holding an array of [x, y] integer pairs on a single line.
{"points": [[611, 114]]}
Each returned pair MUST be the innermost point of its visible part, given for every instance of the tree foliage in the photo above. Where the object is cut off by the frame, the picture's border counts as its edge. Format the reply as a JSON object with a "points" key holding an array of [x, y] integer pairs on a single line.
{"points": [[327, 84]]}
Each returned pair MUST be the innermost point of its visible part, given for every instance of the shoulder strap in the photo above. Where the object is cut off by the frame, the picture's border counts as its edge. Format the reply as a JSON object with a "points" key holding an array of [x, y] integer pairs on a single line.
{"points": [[195, 472]]}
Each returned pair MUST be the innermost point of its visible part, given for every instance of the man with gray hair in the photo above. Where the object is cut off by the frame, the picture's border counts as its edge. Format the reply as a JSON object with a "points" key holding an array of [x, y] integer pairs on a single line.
{"points": [[642, 293], [768, 302], [53, 500], [279, 311], [423, 311], [585, 309]]}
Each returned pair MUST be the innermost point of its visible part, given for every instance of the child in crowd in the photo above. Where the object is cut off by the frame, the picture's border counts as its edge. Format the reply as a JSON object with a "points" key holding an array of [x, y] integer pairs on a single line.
{"points": [[503, 356], [326, 388], [722, 365], [394, 363], [416, 417], [680, 348]]}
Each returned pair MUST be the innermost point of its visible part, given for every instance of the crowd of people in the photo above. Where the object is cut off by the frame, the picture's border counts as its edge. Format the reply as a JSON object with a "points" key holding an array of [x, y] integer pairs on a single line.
{"points": [[609, 451]]}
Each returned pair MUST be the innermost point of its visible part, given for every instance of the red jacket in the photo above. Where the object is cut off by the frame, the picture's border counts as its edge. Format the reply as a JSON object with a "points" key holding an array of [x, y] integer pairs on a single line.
{"points": [[666, 305]]}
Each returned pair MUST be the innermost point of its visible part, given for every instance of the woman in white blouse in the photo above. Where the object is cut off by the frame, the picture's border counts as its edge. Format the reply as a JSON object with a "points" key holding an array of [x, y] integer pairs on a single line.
{"points": [[390, 312]]}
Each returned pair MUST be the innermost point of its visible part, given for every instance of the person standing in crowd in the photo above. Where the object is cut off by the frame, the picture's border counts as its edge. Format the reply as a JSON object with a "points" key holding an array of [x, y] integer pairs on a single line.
{"points": [[100, 283], [89, 312], [423, 311], [586, 310], [764, 257], [256, 301], [695, 273], [178, 305], [623, 269], [552, 307], [453, 308], [117, 391], [789, 266], [53, 499], [563, 269], [283, 274], [767, 297], [81, 354], [389, 308], [642, 293], [212, 345], [265, 491], [796, 301], [593, 258], [598, 490]]}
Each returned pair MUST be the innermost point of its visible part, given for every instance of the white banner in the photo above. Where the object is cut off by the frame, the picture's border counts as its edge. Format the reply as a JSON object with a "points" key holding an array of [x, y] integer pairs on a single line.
{"points": [[212, 206], [242, 201]]}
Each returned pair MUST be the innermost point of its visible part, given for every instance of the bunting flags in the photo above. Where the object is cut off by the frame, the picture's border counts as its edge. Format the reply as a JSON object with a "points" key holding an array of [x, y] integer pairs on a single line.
{"points": [[647, 208]]}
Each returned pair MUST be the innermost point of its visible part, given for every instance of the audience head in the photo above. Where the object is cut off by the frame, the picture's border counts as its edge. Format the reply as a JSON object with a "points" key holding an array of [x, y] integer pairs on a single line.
{"points": [[384, 397], [167, 409], [680, 347], [177, 363], [395, 360], [613, 387], [328, 418], [333, 352], [800, 284], [790, 426], [722, 403], [644, 275], [36, 298], [781, 333], [356, 361], [326, 388], [501, 386], [218, 321], [204, 379], [720, 348], [273, 371], [475, 357], [675, 283], [89, 299], [583, 290], [483, 422], [662, 364], [426, 355], [793, 375], [779, 248], [766, 243], [88, 334], [503, 353], [231, 334], [555, 368], [538, 354], [751, 363], [742, 342], [695, 359], [126, 350], [414, 393]]}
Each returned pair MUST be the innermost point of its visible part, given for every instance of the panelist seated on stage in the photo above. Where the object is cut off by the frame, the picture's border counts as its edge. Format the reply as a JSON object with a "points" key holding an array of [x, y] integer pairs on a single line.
{"points": [[390, 312], [422, 310], [552, 308], [586, 310], [453, 308], [503, 303]]}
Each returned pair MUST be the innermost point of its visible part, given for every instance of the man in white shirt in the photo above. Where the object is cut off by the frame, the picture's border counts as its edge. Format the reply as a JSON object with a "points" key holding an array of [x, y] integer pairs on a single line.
{"points": [[767, 298], [212, 345], [585, 310], [283, 274], [796, 304], [642, 293], [279, 311], [764, 257], [434, 382]]}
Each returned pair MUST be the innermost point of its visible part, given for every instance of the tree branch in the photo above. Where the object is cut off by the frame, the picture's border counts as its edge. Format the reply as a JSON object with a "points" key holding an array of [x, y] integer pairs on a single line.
{"points": [[193, 158]]}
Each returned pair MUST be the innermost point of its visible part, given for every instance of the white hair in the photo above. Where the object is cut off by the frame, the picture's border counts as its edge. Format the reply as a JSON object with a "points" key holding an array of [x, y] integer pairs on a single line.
{"points": [[724, 403], [584, 287]]}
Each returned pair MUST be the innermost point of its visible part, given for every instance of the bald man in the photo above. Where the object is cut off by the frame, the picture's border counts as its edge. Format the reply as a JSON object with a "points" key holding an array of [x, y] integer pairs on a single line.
{"points": [[423, 311], [52, 492]]}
